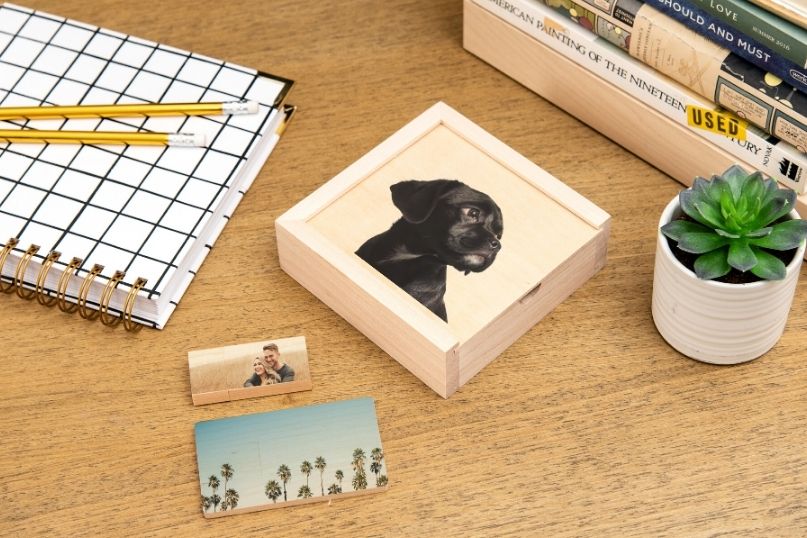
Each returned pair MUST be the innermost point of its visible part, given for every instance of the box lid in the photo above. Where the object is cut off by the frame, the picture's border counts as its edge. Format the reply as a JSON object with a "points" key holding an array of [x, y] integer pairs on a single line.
{"points": [[543, 221]]}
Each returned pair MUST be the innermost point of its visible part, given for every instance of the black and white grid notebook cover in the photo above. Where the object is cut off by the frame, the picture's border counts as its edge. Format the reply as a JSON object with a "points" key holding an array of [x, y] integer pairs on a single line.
{"points": [[138, 209]]}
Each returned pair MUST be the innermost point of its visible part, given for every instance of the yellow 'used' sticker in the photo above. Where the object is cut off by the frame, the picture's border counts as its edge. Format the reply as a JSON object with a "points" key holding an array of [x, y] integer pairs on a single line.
{"points": [[716, 122]]}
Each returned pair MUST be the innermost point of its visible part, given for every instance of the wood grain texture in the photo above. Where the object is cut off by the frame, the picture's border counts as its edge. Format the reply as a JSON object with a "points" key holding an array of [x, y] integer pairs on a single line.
{"points": [[588, 425]]}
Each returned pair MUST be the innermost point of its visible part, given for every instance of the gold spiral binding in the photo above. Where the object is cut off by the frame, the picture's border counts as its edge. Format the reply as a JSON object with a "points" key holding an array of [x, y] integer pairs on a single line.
{"points": [[106, 296], [16, 283], [83, 311], [128, 306], [10, 244], [42, 294], [19, 276], [64, 281]]}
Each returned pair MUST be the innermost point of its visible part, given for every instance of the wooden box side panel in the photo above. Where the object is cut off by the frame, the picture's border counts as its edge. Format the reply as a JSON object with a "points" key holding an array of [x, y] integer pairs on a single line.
{"points": [[523, 315], [437, 368]]}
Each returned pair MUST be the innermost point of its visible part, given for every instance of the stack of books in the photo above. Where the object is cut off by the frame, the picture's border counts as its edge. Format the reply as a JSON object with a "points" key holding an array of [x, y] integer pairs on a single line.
{"points": [[690, 86]]}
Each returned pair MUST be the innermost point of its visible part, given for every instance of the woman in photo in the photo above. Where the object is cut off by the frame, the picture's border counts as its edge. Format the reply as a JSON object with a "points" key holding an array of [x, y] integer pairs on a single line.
{"points": [[264, 374]]}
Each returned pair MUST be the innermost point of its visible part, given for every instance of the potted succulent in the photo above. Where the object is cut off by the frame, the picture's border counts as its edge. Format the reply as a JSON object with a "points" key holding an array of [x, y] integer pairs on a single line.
{"points": [[728, 258]]}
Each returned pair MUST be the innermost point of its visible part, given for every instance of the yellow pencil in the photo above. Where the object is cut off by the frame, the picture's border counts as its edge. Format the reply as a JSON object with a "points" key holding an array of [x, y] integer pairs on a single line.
{"points": [[98, 137], [128, 110]]}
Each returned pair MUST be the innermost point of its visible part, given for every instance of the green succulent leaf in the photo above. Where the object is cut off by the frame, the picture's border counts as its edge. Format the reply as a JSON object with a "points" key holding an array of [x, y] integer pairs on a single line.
{"points": [[742, 209], [687, 206], [712, 265], [726, 234], [777, 206], [736, 177], [703, 186], [783, 236], [717, 187], [762, 232], [741, 256], [754, 188], [710, 215], [699, 242], [768, 267], [771, 188], [674, 229], [727, 205]]}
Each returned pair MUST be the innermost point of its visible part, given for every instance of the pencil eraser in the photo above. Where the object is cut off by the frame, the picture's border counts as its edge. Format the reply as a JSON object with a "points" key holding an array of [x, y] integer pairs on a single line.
{"points": [[199, 140], [187, 140], [240, 107]]}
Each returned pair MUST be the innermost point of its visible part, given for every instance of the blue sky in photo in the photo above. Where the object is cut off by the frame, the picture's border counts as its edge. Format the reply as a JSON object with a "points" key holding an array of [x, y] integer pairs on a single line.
{"points": [[256, 445]]}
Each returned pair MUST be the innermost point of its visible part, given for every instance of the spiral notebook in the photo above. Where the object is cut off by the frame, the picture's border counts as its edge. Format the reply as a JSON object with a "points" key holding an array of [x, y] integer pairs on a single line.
{"points": [[132, 224]]}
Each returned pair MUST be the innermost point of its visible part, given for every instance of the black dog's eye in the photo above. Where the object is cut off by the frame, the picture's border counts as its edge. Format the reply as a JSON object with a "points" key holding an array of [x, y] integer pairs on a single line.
{"points": [[471, 212]]}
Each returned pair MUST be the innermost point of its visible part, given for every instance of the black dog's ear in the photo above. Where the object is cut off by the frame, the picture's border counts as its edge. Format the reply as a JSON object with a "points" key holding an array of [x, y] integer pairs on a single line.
{"points": [[417, 199]]}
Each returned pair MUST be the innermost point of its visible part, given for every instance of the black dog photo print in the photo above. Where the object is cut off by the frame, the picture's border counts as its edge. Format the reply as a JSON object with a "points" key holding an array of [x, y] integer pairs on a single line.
{"points": [[443, 223], [431, 222]]}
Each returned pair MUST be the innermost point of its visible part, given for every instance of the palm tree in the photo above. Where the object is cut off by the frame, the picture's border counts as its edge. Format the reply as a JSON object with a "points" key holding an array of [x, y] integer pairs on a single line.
{"points": [[305, 492], [339, 476], [285, 475], [231, 498], [213, 482], [205, 503], [359, 458], [377, 455], [273, 490], [375, 468], [319, 465], [333, 489], [305, 468], [359, 474], [381, 480], [359, 481], [227, 472]]}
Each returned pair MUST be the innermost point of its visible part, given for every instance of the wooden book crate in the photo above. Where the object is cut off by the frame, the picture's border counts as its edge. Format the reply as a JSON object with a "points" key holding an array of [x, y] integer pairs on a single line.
{"points": [[552, 241], [660, 141]]}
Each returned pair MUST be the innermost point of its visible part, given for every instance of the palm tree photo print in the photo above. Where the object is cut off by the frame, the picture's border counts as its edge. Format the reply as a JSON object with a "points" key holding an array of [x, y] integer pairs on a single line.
{"points": [[288, 457]]}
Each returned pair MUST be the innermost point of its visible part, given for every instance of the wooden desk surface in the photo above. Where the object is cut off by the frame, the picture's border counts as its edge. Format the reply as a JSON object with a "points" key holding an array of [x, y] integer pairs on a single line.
{"points": [[588, 425]]}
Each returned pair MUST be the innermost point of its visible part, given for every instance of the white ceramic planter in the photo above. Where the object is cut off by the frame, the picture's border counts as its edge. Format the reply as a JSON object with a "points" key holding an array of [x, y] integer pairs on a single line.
{"points": [[713, 321]]}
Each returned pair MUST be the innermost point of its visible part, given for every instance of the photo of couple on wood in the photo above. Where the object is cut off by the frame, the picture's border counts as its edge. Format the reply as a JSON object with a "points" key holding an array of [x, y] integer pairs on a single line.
{"points": [[263, 368], [269, 369]]}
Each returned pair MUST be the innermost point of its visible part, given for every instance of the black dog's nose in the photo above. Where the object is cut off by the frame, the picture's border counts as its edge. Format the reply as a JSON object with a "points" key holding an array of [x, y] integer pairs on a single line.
{"points": [[495, 244]]}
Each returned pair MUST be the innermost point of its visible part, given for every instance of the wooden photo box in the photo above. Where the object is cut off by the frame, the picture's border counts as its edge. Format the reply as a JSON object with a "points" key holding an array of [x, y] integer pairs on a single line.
{"points": [[443, 246]]}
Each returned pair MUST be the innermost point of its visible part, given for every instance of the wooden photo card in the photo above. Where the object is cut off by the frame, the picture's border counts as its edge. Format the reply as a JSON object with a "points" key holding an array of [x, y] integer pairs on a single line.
{"points": [[443, 245], [289, 457], [250, 370]]}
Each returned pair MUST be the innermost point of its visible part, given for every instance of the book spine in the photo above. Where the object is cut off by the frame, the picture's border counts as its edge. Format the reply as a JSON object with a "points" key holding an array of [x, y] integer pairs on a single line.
{"points": [[696, 62], [780, 35], [720, 76], [643, 83], [797, 14], [740, 44]]}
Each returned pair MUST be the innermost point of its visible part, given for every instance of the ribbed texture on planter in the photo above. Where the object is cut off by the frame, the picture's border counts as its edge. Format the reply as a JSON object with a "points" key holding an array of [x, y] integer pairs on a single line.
{"points": [[713, 321]]}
